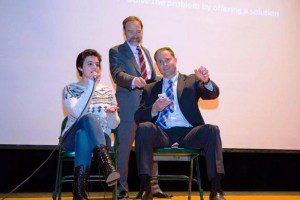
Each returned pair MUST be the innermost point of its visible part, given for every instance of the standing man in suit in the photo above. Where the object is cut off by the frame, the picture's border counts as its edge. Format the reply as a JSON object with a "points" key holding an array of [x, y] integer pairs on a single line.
{"points": [[168, 115], [131, 68]]}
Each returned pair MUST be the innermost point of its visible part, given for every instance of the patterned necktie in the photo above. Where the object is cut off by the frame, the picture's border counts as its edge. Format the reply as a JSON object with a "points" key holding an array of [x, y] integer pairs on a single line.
{"points": [[163, 115], [142, 63]]}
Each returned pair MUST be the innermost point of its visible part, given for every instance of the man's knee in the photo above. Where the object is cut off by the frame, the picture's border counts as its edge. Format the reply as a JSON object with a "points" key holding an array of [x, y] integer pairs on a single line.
{"points": [[145, 130], [213, 131], [210, 131]]}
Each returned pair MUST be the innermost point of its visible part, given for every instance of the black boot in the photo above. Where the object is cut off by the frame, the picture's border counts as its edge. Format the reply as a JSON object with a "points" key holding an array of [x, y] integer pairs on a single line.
{"points": [[78, 185], [105, 164], [85, 182]]}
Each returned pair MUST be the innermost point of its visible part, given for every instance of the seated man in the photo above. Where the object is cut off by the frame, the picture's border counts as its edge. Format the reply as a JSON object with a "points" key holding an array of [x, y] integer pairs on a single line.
{"points": [[168, 114]]}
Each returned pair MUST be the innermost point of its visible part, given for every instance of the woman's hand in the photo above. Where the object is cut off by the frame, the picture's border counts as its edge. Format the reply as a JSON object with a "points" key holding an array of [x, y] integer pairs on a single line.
{"points": [[112, 109]]}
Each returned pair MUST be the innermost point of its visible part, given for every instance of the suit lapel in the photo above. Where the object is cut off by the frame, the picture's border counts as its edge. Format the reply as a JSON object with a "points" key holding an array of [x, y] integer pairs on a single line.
{"points": [[157, 89], [180, 86], [128, 53]]}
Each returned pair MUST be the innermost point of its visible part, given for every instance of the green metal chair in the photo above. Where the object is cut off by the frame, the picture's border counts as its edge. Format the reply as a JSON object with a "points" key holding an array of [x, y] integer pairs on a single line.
{"points": [[181, 154], [68, 156]]}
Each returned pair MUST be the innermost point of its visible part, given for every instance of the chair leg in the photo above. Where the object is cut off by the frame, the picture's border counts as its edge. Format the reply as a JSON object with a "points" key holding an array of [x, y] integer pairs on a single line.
{"points": [[115, 191], [57, 189], [191, 177], [60, 179], [199, 179]]}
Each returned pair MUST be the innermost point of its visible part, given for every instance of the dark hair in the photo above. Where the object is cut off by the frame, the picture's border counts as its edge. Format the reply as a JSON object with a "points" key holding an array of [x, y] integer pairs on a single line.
{"points": [[81, 57], [164, 49], [131, 19]]}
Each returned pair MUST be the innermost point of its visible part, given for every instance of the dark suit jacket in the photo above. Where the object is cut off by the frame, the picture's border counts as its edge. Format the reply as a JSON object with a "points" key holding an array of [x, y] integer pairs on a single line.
{"points": [[123, 69], [189, 90]]}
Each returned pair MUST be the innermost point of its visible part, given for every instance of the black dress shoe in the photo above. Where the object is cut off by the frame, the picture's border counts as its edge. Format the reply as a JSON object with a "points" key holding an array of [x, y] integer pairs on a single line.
{"points": [[161, 194], [123, 195], [217, 195], [144, 195]]}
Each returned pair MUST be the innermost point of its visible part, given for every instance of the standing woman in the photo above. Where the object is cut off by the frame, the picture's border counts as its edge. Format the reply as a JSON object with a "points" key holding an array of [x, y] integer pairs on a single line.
{"points": [[92, 113]]}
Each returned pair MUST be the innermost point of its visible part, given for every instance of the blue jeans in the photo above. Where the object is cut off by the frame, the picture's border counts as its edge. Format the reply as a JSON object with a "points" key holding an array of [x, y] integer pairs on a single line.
{"points": [[83, 137]]}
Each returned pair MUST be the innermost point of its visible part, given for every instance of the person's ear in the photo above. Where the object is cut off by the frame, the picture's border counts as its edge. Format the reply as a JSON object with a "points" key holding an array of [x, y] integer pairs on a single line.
{"points": [[80, 69]]}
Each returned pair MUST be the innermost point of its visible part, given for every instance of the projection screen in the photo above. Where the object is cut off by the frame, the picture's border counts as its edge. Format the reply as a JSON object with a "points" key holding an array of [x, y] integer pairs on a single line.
{"points": [[251, 49]]}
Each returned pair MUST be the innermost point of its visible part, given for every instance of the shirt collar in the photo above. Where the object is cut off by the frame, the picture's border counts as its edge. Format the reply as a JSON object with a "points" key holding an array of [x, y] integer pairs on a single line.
{"points": [[133, 48], [174, 79]]}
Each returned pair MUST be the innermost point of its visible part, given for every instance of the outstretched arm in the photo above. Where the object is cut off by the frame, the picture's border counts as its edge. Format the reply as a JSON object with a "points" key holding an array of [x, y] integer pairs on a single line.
{"points": [[206, 89]]}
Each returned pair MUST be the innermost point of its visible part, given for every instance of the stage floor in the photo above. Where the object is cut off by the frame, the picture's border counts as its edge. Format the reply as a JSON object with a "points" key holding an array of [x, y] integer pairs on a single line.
{"points": [[177, 196]]}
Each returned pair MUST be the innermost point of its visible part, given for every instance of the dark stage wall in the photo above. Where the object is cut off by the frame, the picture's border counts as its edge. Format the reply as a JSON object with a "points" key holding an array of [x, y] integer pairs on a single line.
{"points": [[245, 171]]}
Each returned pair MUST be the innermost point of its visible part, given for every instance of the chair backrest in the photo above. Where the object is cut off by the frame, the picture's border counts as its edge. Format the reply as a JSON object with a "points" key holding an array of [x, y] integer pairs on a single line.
{"points": [[63, 124]]}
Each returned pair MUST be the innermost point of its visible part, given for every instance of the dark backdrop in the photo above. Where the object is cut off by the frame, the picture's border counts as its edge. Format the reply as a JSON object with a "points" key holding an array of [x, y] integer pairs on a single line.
{"points": [[246, 170]]}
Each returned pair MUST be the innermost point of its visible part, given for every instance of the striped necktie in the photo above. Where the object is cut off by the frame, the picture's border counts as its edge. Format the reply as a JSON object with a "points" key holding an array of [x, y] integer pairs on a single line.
{"points": [[163, 115], [142, 63]]}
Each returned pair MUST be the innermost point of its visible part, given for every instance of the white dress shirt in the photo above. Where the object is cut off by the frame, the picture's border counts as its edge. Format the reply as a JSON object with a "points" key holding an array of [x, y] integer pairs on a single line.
{"points": [[176, 118]]}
